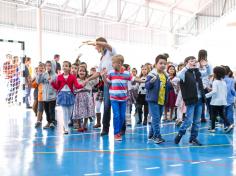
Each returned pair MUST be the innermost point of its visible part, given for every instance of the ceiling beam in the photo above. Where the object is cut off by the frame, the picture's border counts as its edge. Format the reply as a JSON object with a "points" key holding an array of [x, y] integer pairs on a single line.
{"points": [[64, 6], [106, 7]]}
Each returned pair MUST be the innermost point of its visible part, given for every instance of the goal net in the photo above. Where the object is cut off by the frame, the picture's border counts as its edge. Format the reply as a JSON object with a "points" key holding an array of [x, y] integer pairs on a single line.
{"points": [[11, 67]]}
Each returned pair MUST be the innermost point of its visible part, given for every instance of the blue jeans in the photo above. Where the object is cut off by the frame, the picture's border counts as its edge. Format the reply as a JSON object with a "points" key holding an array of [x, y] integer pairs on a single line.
{"points": [[107, 109], [155, 111], [193, 115], [119, 110], [229, 113]]}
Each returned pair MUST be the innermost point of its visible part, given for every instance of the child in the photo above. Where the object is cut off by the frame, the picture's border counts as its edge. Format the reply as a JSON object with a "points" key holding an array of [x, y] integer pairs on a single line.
{"points": [[118, 81], [74, 71], [171, 96], [98, 101], [41, 70], [193, 96], [64, 85], [157, 87], [181, 108], [202, 60], [84, 104], [35, 86], [229, 109], [218, 98], [141, 96], [129, 101], [49, 94], [134, 91]]}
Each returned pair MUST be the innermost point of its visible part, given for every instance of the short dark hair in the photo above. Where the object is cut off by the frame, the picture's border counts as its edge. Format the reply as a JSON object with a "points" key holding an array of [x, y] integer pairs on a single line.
{"points": [[48, 62], [167, 55], [159, 57], [101, 39], [219, 72], [180, 65], [228, 71], [189, 58], [67, 62], [56, 56], [126, 66], [202, 55]]}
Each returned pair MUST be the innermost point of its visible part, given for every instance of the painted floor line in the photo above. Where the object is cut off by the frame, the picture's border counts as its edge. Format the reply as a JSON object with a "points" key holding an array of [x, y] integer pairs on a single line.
{"points": [[198, 162], [137, 149], [217, 159], [123, 171], [91, 174], [152, 168], [176, 165]]}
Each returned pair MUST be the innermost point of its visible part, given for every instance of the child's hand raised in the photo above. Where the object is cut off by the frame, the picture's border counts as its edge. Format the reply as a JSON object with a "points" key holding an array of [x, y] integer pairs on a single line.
{"points": [[84, 83], [153, 79], [103, 72]]}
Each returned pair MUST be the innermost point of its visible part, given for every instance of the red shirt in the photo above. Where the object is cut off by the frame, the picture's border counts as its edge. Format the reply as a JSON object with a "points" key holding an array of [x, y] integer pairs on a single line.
{"points": [[71, 82]]}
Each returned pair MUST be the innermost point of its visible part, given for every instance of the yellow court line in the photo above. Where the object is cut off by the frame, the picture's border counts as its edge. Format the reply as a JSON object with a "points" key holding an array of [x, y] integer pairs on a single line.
{"points": [[137, 149]]}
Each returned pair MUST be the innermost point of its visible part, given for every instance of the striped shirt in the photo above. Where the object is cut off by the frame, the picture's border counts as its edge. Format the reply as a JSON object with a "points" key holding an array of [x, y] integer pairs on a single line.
{"points": [[119, 84]]}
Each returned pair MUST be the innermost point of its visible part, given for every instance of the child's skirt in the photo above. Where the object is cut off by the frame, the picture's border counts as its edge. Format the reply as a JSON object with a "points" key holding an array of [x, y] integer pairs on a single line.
{"points": [[84, 105], [65, 98], [171, 99]]}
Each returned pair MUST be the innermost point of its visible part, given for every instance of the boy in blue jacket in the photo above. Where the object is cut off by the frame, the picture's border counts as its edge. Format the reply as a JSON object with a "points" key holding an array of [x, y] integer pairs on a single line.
{"points": [[156, 86]]}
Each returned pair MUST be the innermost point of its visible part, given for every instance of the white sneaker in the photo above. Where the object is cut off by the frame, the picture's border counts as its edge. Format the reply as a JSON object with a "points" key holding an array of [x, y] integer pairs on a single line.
{"points": [[229, 128], [51, 125], [212, 130]]}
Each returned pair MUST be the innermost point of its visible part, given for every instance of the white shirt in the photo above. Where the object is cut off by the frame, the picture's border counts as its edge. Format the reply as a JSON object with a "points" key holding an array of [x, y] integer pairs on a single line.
{"points": [[218, 94], [66, 87], [106, 61], [142, 89]]}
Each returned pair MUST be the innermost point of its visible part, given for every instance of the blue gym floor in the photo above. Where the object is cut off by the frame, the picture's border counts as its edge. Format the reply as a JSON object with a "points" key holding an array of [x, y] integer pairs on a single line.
{"points": [[26, 151]]}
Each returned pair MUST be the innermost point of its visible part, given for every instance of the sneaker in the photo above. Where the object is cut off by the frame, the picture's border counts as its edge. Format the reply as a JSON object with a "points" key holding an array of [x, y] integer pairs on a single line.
{"points": [[46, 126], [229, 128], [212, 130], [178, 138], [158, 140], [52, 126], [118, 137], [150, 137], [145, 123], [66, 132], [178, 123], [195, 142], [38, 124], [139, 122]]}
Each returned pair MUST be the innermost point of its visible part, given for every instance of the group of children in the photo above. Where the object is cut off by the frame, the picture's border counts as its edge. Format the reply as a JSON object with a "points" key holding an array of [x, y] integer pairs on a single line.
{"points": [[158, 90]]}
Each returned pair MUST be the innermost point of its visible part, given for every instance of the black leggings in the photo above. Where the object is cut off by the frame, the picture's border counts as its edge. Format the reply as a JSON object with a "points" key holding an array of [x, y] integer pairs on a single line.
{"points": [[140, 103], [218, 110], [49, 107]]}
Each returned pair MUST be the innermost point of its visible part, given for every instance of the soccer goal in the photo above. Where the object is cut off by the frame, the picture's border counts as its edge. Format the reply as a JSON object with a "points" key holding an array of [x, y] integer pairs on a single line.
{"points": [[12, 54]]}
